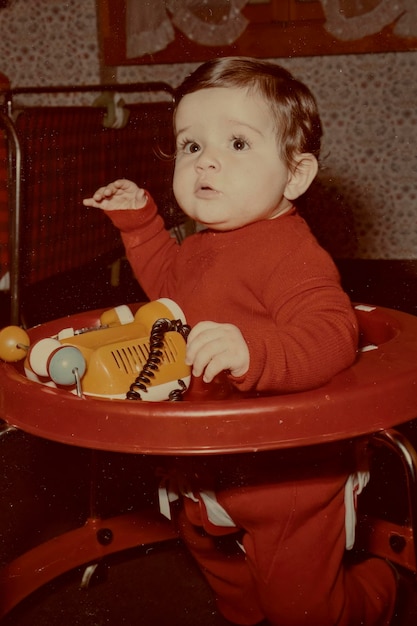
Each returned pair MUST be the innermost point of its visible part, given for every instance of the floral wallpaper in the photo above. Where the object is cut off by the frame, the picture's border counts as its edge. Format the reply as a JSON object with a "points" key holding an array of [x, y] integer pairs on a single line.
{"points": [[364, 202]]}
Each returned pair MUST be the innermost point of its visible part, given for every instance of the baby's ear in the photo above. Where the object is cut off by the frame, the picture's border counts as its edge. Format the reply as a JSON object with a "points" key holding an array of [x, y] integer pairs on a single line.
{"points": [[301, 175]]}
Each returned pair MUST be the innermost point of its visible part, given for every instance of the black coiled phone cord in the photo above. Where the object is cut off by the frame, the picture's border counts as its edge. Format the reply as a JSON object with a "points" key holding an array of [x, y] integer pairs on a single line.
{"points": [[156, 344]]}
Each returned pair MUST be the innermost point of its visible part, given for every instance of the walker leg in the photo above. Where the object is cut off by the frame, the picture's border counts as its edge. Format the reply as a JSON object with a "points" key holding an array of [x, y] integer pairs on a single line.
{"points": [[88, 544], [394, 541]]}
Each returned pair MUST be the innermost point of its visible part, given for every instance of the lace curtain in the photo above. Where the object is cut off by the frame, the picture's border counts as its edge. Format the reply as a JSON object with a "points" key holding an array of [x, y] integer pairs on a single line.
{"points": [[353, 19], [149, 23], [208, 22]]}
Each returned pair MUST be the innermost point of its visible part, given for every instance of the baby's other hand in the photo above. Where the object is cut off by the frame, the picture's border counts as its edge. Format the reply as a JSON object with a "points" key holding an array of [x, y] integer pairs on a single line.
{"points": [[121, 194], [213, 348]]}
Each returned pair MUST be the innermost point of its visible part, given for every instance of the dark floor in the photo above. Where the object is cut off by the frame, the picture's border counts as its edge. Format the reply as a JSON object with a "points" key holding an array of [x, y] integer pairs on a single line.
{"points": [[160, 584]]}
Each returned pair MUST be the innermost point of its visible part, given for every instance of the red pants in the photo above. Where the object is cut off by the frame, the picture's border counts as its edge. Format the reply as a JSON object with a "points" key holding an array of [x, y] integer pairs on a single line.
{"points": [[292, 569]]}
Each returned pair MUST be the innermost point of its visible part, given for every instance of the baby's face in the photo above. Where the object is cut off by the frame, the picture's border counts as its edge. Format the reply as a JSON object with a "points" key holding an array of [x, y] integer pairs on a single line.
{"points": [[228, 171]]}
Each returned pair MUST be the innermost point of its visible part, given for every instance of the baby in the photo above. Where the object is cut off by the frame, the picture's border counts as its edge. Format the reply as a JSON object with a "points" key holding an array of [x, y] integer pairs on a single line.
{"points": [[266, 308]]}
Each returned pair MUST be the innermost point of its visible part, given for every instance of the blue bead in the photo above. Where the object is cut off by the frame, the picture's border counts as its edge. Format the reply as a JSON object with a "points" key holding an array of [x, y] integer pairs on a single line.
{"points": [[62, 364]]}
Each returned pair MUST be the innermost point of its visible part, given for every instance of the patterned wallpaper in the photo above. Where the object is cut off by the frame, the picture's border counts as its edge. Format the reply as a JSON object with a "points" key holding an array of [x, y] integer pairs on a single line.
{"points": [[364, 202]]}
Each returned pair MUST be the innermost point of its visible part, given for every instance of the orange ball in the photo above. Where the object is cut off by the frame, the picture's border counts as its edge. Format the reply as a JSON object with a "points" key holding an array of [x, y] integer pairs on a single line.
{"points": [[14, 343]]}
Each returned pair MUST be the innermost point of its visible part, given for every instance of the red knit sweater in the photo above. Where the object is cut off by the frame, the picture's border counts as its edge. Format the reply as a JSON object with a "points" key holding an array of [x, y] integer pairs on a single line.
{"points": [[270, 278]]}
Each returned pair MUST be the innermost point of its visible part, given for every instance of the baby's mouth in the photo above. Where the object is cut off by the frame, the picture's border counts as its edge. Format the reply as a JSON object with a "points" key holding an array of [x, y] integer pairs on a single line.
{"points": [[204, 186], [205, 191]]}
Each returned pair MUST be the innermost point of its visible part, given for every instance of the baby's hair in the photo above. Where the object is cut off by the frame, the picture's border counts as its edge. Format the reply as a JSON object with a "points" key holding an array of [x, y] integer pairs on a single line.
{"points": [[294, 107]]}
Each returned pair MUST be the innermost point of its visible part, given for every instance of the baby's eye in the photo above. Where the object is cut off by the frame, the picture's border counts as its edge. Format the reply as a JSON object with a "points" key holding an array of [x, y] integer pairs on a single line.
{"points": [[238, 144], [189, 147]]}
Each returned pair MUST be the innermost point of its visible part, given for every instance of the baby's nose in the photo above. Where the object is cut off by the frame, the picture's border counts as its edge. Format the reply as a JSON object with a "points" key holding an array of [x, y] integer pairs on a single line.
{"points": [[208, 159]]}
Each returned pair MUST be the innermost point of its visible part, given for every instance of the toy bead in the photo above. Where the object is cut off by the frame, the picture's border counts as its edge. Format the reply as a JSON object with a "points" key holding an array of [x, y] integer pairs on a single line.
{"points": [[40, 353], [14, 343], [62, 364]]}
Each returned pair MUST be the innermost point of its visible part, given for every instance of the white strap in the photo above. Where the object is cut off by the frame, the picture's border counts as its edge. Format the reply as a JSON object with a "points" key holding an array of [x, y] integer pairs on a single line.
{"points": [[169, 491], [354, 486], [216, 514]]}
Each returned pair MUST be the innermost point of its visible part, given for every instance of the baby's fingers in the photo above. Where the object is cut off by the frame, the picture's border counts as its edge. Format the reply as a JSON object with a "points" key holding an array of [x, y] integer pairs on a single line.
{"points": [[213, 348], [103, 193]]}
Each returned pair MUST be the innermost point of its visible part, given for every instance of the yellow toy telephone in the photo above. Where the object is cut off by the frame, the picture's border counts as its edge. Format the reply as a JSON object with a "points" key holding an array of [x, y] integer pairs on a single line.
{"points": [[138, 357]]}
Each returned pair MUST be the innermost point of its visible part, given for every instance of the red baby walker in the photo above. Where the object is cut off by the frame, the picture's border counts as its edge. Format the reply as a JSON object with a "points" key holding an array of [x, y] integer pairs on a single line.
{"points": [[58, 381]]}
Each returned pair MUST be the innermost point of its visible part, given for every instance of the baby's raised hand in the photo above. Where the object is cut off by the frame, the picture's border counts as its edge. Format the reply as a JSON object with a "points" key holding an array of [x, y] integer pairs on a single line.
{"points": [[213, 348], [121, 194]]}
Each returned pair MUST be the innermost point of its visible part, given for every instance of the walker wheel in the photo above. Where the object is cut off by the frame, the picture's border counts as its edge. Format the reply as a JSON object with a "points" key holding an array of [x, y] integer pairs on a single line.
{"points": [[14, 343]]}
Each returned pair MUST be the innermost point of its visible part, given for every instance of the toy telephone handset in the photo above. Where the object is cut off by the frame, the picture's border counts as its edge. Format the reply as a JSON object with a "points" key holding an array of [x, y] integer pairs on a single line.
{"points": [[138, 357]]}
